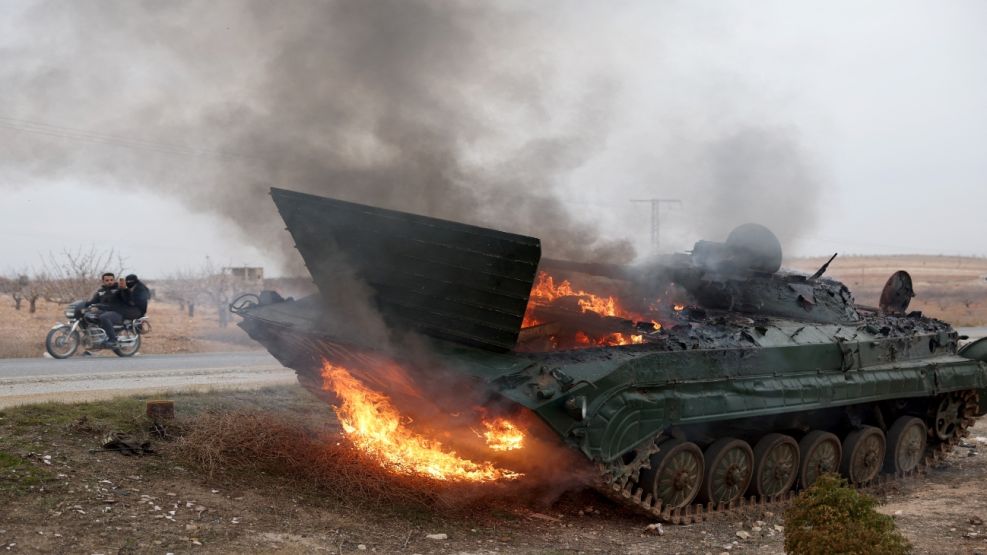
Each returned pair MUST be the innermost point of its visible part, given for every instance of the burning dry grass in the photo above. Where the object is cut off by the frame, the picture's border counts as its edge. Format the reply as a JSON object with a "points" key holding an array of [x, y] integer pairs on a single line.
{"points": [[376, 428], [241, 445]]}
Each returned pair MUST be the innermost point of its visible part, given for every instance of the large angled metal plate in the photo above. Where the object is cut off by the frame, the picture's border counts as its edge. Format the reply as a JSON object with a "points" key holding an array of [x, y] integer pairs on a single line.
{"points": [[445, 279]]}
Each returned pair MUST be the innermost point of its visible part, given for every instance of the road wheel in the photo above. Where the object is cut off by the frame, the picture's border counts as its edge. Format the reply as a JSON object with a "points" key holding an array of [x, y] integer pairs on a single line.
{"points": [[675, 475], [819, 453], [61, 342], [907, 439], [776, 465], [949, 416], [729, 466], [863, 455]]}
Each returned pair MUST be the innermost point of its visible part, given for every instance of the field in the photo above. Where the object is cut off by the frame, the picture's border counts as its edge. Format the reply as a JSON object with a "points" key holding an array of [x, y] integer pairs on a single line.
{"points": [[60, 493]]}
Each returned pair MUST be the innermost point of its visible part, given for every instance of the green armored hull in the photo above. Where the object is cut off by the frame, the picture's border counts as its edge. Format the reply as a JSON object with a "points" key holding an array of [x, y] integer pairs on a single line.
{"points": [[759, 383]]}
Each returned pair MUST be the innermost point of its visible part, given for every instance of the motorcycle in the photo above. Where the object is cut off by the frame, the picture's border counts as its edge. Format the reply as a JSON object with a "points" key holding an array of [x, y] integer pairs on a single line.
{"points": [[82, 328]]}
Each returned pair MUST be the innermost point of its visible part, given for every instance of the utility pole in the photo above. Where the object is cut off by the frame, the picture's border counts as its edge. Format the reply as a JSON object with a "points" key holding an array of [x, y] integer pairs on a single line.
{"points": [[656, 204]]}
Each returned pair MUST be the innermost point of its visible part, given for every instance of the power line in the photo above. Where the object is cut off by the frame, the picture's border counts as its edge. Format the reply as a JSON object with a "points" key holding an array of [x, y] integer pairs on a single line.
{"points": [[90, 137], [656, 204]]}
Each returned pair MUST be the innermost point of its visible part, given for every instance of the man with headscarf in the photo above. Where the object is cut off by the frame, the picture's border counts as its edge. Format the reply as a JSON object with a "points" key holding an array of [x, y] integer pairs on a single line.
{"points": [[133, 297]]}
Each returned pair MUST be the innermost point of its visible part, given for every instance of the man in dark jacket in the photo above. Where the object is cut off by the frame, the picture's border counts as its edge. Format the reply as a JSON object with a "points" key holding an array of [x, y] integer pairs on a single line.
{"points": [[129, 303], [106, 292]]}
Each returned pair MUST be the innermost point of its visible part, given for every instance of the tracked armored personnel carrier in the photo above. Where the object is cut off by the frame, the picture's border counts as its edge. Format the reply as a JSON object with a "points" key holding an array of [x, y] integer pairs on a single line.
{"points": [[719, 381]]}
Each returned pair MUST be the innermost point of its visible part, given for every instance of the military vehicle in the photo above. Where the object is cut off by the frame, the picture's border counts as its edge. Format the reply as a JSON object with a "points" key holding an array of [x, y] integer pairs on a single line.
{"points": [[739, 384]]}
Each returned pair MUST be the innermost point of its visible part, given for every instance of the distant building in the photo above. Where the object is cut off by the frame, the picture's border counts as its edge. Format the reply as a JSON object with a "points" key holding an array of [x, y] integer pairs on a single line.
{"points": [[245, 273]]}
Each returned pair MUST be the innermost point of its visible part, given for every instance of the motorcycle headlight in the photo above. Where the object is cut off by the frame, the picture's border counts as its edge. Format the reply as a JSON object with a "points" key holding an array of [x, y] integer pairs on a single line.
{"points": [[70, 313]]}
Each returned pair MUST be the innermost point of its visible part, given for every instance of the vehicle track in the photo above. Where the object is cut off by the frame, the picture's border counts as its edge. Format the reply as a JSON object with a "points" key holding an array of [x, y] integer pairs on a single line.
{"points": [[626, 491]]}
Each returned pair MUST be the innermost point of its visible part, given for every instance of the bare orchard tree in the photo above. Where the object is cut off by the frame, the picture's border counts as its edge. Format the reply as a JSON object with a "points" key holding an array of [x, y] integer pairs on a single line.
{"points": [[74, 275], [181, 287], [24, 287], [217, 288], [14, 286], [33, 289], [209, 285]]}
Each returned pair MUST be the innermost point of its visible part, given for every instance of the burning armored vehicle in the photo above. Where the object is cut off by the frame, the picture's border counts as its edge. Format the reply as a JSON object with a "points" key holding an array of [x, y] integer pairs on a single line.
{"points": [[712, 380]]}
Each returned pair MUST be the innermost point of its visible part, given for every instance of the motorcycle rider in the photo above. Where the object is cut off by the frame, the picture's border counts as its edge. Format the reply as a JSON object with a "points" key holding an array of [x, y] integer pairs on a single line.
{"points": [[108, 289]]}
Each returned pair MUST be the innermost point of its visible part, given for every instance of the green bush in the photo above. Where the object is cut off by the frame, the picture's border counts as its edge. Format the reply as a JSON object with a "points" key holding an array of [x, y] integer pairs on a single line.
{"points": [[831, 517]]}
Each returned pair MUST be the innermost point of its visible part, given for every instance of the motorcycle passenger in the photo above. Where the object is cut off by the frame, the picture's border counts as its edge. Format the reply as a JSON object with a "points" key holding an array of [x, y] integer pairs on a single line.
{"points": [[133, 297]]}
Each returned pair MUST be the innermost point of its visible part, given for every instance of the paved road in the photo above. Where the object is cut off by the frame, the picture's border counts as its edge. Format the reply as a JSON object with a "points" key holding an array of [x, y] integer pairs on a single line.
{"points": [[24, 380]]}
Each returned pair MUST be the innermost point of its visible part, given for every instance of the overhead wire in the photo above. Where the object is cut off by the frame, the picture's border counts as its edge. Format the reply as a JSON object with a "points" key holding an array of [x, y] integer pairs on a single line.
{"points": [[47, 129]]}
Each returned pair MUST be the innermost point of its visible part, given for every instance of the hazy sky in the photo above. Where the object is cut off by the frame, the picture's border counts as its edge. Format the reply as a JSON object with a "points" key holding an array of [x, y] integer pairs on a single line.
{"points": [[858, 127]]}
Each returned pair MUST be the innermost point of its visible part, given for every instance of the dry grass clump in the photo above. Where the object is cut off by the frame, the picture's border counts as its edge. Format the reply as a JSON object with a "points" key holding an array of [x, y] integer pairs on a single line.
{"points": [[241, 444]]}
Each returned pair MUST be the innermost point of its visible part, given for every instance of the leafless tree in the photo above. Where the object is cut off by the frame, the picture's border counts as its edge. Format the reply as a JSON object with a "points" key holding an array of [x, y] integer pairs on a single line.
{"points": [[33, 289], [217, 287], [14, 286], [209, 285], [74, 275], [181, 287], [23, 287]]}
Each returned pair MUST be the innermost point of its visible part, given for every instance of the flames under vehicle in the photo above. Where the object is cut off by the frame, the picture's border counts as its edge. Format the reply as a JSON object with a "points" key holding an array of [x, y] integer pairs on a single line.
{"points": [[714, 380]]}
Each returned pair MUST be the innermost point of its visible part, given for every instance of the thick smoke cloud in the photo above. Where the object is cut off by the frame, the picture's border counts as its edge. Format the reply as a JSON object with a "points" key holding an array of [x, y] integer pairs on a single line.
{"points": [[498, 114], [763, 171], [402, 104]]}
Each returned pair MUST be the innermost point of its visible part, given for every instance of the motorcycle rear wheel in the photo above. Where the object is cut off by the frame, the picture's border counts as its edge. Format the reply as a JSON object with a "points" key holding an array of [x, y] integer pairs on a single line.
{"points": [[127, 349], [61, 342]]}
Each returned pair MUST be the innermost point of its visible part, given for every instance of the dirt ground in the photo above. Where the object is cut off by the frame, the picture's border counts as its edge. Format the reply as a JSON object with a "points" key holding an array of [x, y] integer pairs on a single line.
{"points": [[56, 495], [22, 334]]}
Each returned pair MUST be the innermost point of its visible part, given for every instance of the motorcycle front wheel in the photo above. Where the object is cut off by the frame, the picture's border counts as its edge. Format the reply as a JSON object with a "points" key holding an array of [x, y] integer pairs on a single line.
{"points": [[126, 348], [61, 342]]}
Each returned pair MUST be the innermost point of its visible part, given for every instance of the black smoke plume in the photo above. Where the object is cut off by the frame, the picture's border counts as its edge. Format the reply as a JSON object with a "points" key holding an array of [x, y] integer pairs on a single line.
{"points": [[403, 104]]}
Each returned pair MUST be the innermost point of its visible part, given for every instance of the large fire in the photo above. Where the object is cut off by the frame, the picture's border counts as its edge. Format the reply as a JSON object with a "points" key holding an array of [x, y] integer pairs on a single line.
{"points": [[555, 308], [503, 435], [545, 291], [375, 427]]}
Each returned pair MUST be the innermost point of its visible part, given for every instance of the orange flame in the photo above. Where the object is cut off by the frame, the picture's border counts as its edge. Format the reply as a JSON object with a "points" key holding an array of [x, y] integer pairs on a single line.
{"points": [[621, 339], [545, 291], [583, 340], [606, 307], [678, 307], [374, 426], [503, 435], [529, 320]]}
